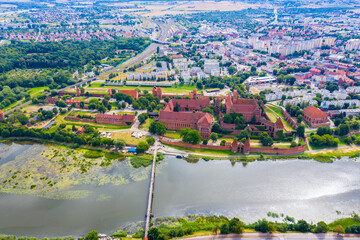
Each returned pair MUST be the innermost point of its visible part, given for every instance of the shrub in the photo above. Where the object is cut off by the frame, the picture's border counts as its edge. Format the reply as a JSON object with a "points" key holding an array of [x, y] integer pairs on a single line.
{"points": [[119, 234], [224, 228], [93, 154]]}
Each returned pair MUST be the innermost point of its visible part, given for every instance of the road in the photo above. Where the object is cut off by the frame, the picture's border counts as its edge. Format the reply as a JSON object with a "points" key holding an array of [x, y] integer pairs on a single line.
{"points": [[17, 107], [280, 236], [150, 50]]}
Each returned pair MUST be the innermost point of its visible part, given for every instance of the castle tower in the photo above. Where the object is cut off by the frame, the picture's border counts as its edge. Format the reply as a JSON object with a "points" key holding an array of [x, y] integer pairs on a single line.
{"points": [[234, 96], [217, 105], [154, 91], [159, 92], [78, 92], [247, 147], [234, 146]]}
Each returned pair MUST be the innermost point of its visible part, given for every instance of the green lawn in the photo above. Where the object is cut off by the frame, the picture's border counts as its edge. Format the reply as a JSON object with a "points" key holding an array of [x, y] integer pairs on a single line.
{"points": [[60, 119], [344, 222], [146, 124], [36, 91], [230, 140], [175, 89], [173, 134]]}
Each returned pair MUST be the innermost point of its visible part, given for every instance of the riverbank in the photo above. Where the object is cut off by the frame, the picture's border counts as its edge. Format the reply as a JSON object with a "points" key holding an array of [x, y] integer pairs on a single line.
{"points": [[193, 226]]}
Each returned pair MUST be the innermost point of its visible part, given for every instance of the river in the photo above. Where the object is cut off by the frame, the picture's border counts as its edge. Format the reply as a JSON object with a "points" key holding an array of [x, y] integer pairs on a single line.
{"points": [[303, 189]]}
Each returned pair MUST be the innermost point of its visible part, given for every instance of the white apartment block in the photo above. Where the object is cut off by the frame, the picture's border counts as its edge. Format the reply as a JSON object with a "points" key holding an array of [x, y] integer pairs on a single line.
{"points": [[210, 65]]}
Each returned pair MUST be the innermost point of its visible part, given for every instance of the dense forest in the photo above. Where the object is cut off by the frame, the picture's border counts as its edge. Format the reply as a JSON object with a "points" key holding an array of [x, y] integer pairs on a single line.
{"points": [[64, 54]]}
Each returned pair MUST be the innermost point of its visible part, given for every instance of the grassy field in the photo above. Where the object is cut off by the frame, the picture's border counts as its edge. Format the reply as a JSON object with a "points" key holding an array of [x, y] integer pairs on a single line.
{"points": [[345, 222], [36, 91], [146, 124], [350, 151], [185, 89], [126, 135], [173, 134], [276, 112], [60, 119], [230, 140]]}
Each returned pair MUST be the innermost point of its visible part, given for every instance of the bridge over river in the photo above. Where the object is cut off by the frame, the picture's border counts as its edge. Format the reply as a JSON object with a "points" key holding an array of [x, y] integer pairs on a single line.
{"points": [[151, 193]]}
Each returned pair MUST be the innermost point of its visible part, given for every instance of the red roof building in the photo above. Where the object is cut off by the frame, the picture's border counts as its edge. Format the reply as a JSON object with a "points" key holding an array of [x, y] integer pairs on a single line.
{"points": [[52, 100], [249, 108], [80, 130], [131, 92], [346, 80], [125, 119], [187, 105], [315, 117], [315, 71], [179, 120]]}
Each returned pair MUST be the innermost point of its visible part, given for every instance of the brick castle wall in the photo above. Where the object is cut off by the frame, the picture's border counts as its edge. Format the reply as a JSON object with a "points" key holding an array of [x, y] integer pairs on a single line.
{"points": [[268, 150]]}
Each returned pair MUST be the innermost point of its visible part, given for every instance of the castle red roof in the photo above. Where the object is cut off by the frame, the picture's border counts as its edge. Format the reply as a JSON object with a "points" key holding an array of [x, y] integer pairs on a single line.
{"points": [[1, 112], [130, 92], [191, 103], [206, 120], [279, 123], [203, 119], [234, 143], [124, 117], [314, 112]]}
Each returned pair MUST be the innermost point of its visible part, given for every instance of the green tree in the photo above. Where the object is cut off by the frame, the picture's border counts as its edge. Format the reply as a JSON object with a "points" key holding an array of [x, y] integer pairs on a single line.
{"points": [[190, 136], [176, 108], [157, 128], [231, 70], [142, 147], [150, 140], [236, 226], [344, 129], [302, 226], [119, 143], [216, 128], [214, 137], [93, 235], [224, 229], [265, 139], [299, 119], [300, 130], [321, 227], [153, 233]]}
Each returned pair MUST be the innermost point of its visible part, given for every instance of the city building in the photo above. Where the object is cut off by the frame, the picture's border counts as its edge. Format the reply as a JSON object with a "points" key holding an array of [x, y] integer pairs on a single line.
{"points": [[315, 117], [211, 65], [260, 80]]}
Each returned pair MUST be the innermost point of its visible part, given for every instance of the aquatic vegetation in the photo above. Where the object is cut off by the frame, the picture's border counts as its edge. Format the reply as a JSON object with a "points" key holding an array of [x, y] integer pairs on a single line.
{"points": [[141, 161], [51, 171]]}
